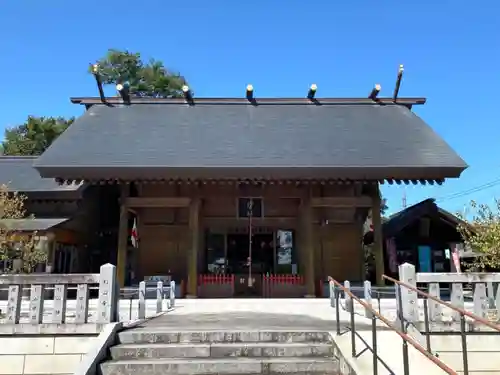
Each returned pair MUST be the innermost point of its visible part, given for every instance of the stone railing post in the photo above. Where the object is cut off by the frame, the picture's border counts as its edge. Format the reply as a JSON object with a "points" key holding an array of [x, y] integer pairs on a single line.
{"points": [[409, 298], [332, 293], [457, 300], [172, 294], [108, 299], [59, 309], [347, 297], [368, 297], [435, 308], [480, 300], [14, 304], [142, 300], [36, 304], [82, 303], [159, 297]]}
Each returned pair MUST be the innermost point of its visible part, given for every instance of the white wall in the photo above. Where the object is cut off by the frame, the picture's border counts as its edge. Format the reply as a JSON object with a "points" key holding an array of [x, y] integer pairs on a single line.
{"points": [[21, 355]]}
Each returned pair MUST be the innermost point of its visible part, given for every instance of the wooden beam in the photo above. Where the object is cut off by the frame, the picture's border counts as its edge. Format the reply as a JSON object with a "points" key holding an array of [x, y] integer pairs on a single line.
{"points": [[146, 202], [244, 100], [307, 228], [192, 258], [378, 247], [121, 258], [131, 210], [339, 202]]}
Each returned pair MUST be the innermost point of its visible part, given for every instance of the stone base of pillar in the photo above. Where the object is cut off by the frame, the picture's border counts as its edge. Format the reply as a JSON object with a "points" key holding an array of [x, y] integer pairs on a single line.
{"points": [[190, 296], [309, 296]]}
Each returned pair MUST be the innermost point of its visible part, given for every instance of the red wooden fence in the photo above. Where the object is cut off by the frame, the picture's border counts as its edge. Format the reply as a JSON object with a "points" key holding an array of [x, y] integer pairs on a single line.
{"points": [[283, 286], [273, 286], [215, 286]]}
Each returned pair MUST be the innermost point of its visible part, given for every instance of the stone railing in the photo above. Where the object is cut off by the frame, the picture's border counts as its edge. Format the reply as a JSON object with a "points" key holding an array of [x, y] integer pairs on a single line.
{"points": [[365, 294], [485, 294], [167, 292], [107, 309]]}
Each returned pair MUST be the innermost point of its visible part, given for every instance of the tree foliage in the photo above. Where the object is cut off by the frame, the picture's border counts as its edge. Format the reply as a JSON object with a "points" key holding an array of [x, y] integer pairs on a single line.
{"points": [[18, 252], [146, 79], [34, 136], [481, 234]]}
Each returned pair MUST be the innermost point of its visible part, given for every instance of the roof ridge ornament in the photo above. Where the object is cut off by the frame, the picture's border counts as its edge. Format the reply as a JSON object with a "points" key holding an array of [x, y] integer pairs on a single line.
{"points": [[312, 91], [376, 90], [188, 94], [124, 91], [249, 93], [95, 72], [398, 83]]}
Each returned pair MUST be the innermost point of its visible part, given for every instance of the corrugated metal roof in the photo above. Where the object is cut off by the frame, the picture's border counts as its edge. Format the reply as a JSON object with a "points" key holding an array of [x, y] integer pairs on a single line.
{"points": [[30, 225], [18, 174], [336, 136]]}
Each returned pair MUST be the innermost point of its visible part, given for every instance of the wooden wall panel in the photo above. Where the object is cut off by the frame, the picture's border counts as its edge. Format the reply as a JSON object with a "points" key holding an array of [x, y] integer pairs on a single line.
{"points": [[158, 190], [340, 252], [281, 207], [162, 249], [156, 216], [219, 206]]}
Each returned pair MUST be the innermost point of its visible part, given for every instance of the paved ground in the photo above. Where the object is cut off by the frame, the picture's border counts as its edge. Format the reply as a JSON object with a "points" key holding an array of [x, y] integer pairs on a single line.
{"points": [[240, 321], [242, 314]]}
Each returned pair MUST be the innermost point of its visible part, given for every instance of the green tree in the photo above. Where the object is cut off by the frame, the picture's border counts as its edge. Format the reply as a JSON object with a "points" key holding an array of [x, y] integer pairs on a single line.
{"points": [[34, 136], [146, 79], [19, 252], [481, 234]]}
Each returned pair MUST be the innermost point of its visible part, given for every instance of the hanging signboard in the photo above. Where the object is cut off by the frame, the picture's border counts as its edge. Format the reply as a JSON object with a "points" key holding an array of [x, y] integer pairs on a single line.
{"points": [[285, 240]]}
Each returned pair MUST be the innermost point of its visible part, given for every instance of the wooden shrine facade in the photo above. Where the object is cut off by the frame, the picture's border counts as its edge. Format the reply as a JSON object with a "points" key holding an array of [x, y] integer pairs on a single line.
{"points": [[174, 218], [187, 169]]}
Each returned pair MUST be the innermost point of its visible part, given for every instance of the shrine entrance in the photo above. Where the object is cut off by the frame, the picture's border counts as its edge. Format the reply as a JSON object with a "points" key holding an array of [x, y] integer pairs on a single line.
{"points": [[249, 258]]}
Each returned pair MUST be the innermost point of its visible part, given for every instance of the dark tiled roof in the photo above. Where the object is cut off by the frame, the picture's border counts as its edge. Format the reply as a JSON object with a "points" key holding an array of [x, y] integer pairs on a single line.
{"points": [[18, 174], [339, 140], [30, 225], [400, 220]]}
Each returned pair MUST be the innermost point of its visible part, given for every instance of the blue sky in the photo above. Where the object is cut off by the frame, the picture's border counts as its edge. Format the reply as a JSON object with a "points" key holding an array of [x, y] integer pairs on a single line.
{"points": [[450, 50]]}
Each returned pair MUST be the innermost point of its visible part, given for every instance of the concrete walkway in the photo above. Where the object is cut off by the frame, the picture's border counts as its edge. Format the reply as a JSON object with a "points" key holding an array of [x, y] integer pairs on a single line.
{"points": [[256, 315], [287, 315]]}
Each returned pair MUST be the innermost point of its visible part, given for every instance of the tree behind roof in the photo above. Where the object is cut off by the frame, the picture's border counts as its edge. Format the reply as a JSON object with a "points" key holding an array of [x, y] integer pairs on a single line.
{"points": [[34, 136], [13, 245], [481, 234], [150, 79]]}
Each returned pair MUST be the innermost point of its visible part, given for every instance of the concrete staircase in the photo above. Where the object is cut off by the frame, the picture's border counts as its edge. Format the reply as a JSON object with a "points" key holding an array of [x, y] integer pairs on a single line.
{"points": [[151, 350]]}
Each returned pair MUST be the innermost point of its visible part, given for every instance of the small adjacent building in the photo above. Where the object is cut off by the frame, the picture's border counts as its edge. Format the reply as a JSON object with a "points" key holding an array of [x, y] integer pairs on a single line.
{"points": [[239, 192], [53, 206], [424, 235]]}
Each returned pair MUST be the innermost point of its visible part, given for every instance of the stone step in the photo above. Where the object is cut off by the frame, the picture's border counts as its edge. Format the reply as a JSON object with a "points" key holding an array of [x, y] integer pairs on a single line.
{"points": [[228, 366], [221, 350], [147, 335]]}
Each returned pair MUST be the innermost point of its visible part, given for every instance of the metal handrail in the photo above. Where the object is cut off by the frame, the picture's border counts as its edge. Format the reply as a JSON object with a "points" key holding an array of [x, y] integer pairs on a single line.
{"points": [[463, 313], [474, 317], [402, 333]]}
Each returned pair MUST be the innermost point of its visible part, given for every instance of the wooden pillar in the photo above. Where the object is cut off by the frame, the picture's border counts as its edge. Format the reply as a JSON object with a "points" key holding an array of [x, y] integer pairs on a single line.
{"points": [[378, 248], [308, 243], [192, 261], [121, 257]]}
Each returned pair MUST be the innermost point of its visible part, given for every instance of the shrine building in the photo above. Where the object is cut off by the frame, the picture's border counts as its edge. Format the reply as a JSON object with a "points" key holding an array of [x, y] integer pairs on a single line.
{"points": [[238, 190]]}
